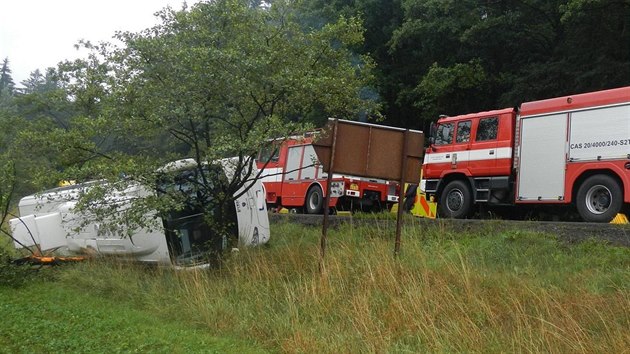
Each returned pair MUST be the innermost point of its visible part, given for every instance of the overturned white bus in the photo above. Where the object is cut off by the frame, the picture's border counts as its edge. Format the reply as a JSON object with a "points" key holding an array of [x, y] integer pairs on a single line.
{"points": [[181, 238]]}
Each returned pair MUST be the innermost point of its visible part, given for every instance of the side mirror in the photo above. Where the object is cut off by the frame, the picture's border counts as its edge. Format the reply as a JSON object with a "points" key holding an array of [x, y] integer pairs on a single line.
{"points": [[431, 140], [432, 131]]}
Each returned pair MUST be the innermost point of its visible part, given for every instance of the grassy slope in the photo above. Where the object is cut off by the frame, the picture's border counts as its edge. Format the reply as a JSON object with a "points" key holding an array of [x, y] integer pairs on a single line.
{"points": [[48, 317], [448, 292]]}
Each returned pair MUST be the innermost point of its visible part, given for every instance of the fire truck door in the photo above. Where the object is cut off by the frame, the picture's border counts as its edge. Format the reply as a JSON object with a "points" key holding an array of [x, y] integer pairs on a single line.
{"points": [[294, 157], [460, 156], [542, 158], [291, 181], [484, 155]]}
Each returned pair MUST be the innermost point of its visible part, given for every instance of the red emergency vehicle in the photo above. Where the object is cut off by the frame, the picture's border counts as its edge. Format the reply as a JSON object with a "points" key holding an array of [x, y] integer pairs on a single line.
{"points": [[294, 179], [571, 152]]}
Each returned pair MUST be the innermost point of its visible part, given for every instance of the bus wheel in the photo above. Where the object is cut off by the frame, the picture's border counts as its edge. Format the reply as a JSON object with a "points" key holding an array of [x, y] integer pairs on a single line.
{"points": [[314, 200], [456, 200], [599, 199]]}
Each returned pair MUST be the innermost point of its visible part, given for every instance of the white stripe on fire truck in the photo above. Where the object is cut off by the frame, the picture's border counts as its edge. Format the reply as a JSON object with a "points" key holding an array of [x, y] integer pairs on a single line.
{"points": [[469, 155]]}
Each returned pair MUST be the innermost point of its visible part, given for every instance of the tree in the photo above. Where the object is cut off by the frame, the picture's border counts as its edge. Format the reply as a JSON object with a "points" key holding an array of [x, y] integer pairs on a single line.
{"points": [[596, 46], [380, 19], [6, 81], [43, 126], [431, 61], [42, 97], [218, 80], [464, 56]]}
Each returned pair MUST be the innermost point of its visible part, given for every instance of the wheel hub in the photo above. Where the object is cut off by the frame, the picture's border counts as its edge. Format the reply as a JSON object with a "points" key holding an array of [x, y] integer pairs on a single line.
{"points": [[598, 199], [314, 201], [455, 200]]}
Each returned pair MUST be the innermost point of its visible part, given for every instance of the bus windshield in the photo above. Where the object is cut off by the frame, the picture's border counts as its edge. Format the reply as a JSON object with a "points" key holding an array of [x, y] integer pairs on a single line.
{"points": [[190, 239]]}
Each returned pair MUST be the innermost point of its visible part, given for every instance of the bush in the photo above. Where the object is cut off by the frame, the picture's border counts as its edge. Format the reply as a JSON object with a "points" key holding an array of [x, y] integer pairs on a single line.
{"points": [[14, 275]]}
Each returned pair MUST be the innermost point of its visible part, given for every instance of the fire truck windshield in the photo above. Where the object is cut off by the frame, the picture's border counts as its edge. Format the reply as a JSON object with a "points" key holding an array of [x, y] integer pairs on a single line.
{"points": [[268, 153], [444, 134]]}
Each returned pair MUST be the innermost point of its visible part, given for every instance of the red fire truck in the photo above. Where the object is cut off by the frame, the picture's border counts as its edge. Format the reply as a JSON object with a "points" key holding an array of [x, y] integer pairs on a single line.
{"points": [[571, 152], [294, 179]]}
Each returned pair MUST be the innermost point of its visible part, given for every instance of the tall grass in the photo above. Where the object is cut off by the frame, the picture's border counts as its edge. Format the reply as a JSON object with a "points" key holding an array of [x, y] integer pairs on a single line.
{"points": [[447, 292]]}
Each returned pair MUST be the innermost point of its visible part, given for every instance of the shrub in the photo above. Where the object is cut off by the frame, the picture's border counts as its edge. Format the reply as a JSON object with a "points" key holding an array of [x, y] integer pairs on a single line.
{"points": [[12, 274]]}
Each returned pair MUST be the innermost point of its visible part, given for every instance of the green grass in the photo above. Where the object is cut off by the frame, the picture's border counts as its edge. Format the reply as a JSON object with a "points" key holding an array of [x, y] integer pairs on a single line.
{"points": [[482, 291], [48, 317]]}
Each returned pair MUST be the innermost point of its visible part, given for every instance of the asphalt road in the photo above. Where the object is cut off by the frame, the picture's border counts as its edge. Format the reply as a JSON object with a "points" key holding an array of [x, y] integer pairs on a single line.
{"points": [[617, 235]]}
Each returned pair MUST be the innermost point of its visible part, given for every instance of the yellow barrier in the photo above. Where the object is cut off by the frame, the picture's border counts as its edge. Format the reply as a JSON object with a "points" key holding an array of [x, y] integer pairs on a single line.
{"points": [[422, 206], [620, 219]]}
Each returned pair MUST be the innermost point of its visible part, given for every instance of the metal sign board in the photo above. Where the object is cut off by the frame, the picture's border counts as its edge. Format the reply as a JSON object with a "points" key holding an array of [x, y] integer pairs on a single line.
{"points": [[370, 150]]}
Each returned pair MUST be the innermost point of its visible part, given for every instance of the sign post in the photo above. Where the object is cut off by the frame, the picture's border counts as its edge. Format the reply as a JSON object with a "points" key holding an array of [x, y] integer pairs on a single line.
{"points": [[401, 194], [323, 241], [372, 151]]}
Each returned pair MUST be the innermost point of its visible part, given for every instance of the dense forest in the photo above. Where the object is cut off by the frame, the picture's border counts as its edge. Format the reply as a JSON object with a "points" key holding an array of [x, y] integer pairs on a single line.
{"points": [[217, 78], [452, 57]]}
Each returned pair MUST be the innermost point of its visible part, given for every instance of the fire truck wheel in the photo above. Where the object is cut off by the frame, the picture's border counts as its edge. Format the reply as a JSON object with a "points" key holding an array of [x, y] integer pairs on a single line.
{"points": [[314, 200], [599, 199], [456, 200]]}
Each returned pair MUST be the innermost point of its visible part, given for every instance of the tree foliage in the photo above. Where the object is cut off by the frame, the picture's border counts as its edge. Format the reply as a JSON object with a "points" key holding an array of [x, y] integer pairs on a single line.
{"points": [[453, 57], [6, 81], [220, 79]]}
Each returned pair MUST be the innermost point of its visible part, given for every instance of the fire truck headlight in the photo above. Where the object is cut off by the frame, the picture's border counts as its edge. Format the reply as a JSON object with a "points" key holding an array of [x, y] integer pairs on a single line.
{"points": [[423, 185]]}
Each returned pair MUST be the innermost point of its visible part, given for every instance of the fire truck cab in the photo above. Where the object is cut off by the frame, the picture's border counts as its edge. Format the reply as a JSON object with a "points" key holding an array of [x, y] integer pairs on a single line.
{"points": [[470, 156], [571, 151], [294, 179]]}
